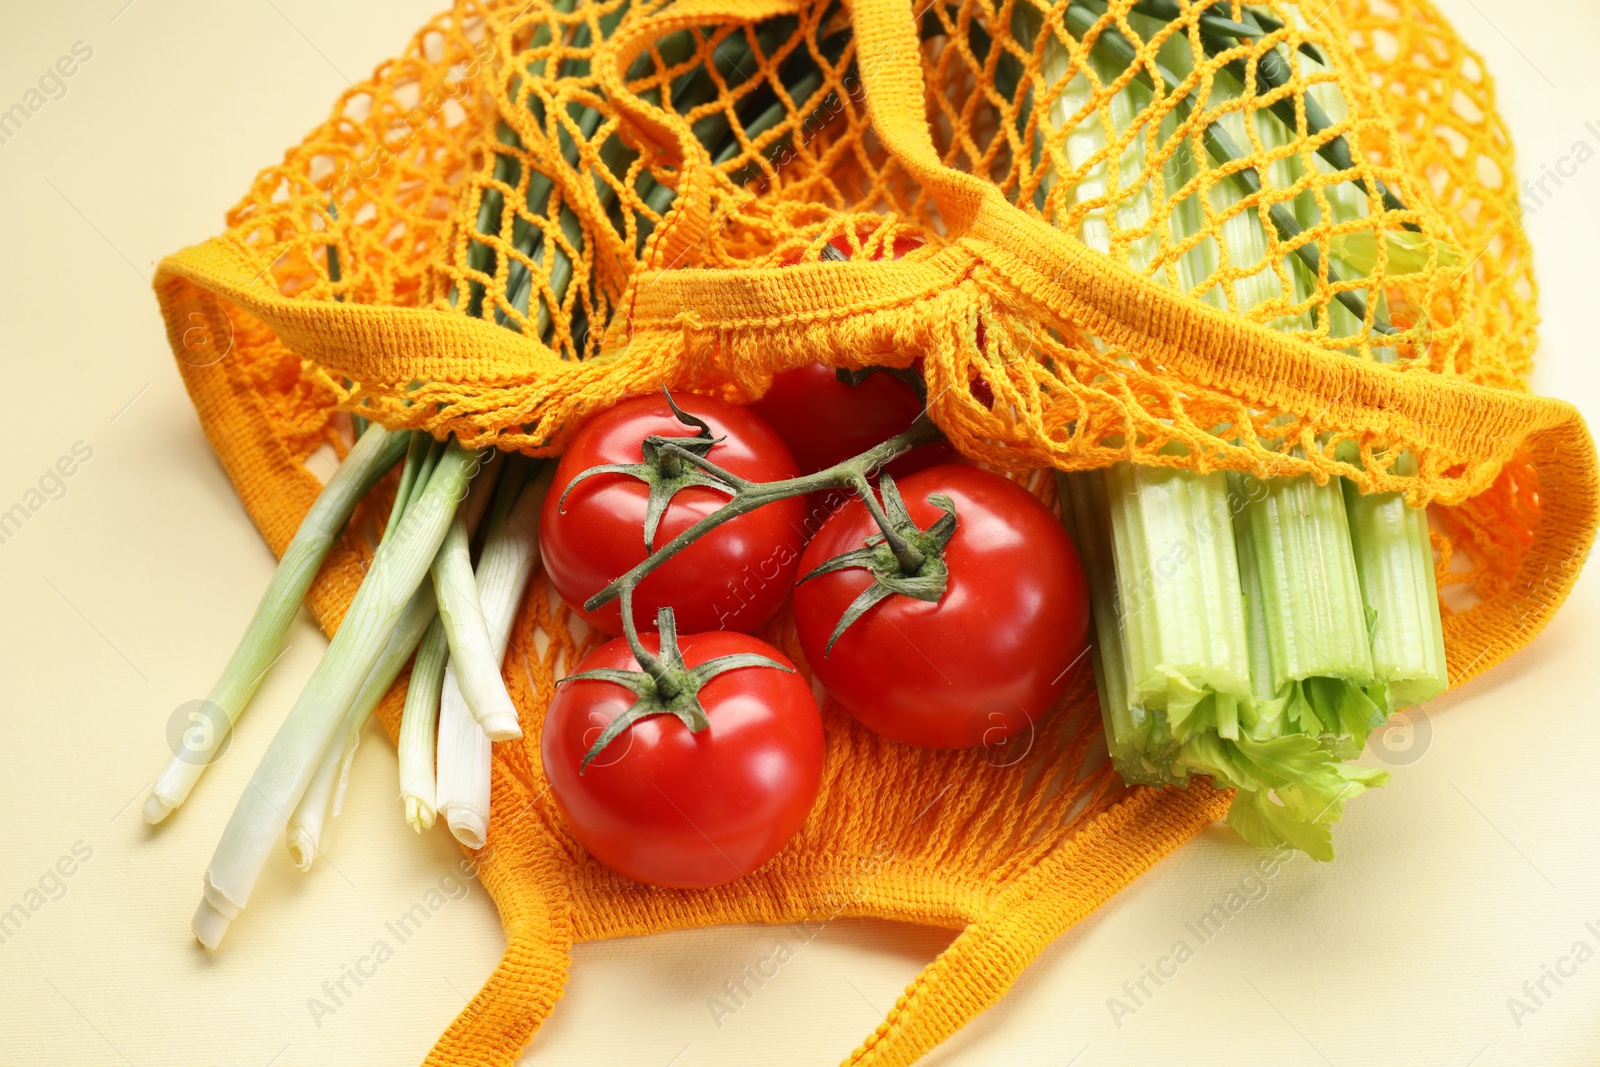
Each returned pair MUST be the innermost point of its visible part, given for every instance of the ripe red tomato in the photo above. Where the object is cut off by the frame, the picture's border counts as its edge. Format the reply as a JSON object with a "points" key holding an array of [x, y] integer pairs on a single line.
{"points": [[825, 421], [734, 578], [674, 808], [991, 657]]}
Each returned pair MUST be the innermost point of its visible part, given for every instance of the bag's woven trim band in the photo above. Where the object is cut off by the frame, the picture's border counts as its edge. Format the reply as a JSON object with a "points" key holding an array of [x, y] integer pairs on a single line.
{"points": [[1055, 271]]}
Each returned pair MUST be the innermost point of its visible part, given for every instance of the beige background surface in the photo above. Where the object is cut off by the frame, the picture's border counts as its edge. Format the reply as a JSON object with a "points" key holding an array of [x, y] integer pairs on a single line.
{"points": [[1467, 876]]}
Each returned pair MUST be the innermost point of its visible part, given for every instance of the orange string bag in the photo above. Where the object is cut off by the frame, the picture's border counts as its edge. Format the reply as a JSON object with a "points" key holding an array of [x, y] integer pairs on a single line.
{"points": [[1090, 357]]}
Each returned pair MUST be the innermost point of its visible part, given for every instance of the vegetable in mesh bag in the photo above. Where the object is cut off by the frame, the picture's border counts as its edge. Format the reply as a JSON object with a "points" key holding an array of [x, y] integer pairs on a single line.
{"points": [[1253, 630]]}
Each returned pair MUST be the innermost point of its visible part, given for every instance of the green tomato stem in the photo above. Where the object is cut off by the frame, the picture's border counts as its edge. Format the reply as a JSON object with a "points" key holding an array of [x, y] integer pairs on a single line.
{"points": [[748, 496], [908, 555], [665, 686]]}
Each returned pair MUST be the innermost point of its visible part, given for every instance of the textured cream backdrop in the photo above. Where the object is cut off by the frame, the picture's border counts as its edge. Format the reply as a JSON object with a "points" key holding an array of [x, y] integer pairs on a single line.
{"points": [[1456, 884]]}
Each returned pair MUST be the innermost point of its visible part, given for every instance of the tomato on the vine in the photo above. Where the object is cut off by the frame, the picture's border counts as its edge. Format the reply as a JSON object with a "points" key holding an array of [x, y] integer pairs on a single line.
{"points": [[826, 421], [985, 661], [734, 578], [672, 807]]}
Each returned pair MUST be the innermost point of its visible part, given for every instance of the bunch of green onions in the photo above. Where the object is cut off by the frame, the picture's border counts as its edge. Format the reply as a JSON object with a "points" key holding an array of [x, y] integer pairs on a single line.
{"points": [[1252, 630], [455, 628]]}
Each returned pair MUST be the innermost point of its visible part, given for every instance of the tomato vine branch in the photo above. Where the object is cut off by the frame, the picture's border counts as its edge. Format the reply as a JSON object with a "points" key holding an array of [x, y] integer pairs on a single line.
{"points": [[664, 685], [748, 496]]}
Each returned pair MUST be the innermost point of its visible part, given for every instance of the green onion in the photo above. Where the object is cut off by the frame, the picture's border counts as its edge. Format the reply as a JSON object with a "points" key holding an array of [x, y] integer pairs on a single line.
{"points": [[398, 568], [419, 725], [324, 797], [465, 757], [471, 650], [368, 460], [509, 552]]}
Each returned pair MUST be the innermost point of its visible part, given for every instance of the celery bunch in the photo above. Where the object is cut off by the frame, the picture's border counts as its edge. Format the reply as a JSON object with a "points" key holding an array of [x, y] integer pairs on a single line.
{"points": [[1254, 631]]}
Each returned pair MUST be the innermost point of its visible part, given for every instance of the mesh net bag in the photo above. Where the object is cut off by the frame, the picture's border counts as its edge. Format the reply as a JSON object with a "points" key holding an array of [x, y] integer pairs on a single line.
{"points": [[1075, 170]]}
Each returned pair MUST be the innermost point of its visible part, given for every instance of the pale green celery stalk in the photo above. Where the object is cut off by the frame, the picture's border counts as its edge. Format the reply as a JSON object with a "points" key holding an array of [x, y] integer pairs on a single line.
{"points": [[419, 726], [509, 552], [397, 569], [1282, 174], [368, 460], [1347, 200], [1170, 646], [1187, 216], [324, 797], [1127, 727], [1173, 659], [1296, 561], [1310, 661], [1182, 615], [471, 646], [1310, 658], [1197, 681], [1395, 558], [1393, 552], [1090, 138], [1244, 235]]}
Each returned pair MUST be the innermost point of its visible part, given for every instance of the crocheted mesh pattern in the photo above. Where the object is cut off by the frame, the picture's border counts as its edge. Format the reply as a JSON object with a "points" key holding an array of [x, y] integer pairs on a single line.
{"points": [[383, 265]]}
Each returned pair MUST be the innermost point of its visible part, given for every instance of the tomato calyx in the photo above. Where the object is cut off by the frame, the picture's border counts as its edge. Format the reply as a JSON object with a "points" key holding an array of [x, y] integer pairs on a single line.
{"points": [[667, 466], [903, 558], [853, 377], [749, 495], [664, 685]]}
